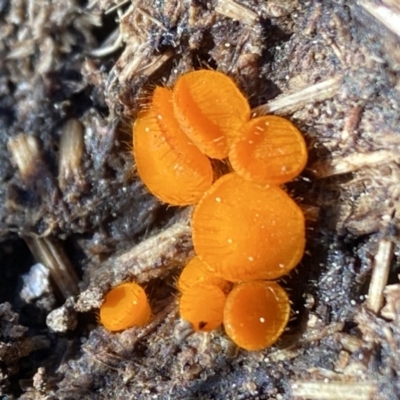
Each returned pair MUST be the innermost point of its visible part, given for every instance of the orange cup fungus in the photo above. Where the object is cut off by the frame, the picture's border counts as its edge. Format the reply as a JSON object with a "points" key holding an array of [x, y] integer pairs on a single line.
{"points": [[244, 231], [203, 306], [245, 228], [124, 306], [255, 314], [171, 167], [195, 273], [172, 132], [210, 109], [270, 150]]}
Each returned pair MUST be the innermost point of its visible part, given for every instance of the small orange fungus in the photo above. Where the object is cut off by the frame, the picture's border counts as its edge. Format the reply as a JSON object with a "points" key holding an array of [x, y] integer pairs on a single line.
{"points": [[210, 109], [171, 167], [244, 231], [270, 150], [256, 313], [196, 273], [203, 307], [125, 306]]}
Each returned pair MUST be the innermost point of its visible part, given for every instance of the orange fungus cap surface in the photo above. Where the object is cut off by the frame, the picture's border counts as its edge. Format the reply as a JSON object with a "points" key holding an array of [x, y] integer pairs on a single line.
{"points": [[256, 313], [210, 109], [172, 168], [125, 306], [270, 150], [203, 307], [196, 272], [245, 231], [163, 110]]}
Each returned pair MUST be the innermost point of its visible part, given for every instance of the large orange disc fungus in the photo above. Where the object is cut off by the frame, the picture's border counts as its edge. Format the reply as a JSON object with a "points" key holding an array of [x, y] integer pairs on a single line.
{"points": [[244, 231]]}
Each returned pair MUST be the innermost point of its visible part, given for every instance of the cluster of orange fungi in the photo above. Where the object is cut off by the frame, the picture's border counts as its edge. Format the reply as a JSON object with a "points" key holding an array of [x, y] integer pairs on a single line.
{"points": [[247, 231]]}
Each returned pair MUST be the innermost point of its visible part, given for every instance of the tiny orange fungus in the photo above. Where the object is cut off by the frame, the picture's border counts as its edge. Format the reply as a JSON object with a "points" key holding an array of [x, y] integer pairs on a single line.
{"points": [[270, 150], [203, 307], [210, 109], [256, 313], [124, 306], [196, 272], [244, 231], [171, 167]]}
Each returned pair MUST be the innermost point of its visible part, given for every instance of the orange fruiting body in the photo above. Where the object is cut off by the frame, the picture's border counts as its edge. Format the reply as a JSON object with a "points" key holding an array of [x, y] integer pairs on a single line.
{"points": [[125, 306], [171, 167], [163, 110], [203, 307], [270, 150], [196, 272], [210, 109], [245, 228], [256, 313], [244, 231]]}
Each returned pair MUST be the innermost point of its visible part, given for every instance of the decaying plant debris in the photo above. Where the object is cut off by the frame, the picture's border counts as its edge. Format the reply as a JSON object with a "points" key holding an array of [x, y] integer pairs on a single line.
{"points": [[72, 77]]}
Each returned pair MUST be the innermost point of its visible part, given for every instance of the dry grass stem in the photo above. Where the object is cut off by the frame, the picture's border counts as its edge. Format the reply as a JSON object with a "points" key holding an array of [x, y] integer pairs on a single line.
{"points": [[71, 151], [52, 256], [392, 302], [353, 162], [319, 333], [25, 153], [387, 12], [334, 390], [111, 45], [117, 6], [237, 12], [142, 258], [288, 103], [380, 273]]}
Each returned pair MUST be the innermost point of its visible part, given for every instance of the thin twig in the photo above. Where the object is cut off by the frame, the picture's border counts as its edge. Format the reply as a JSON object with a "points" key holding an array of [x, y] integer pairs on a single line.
{"points": [[51, 255], [380, 274], [288, 103], [353, 162], [387, 16], [334, 390], [237, 12]]}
